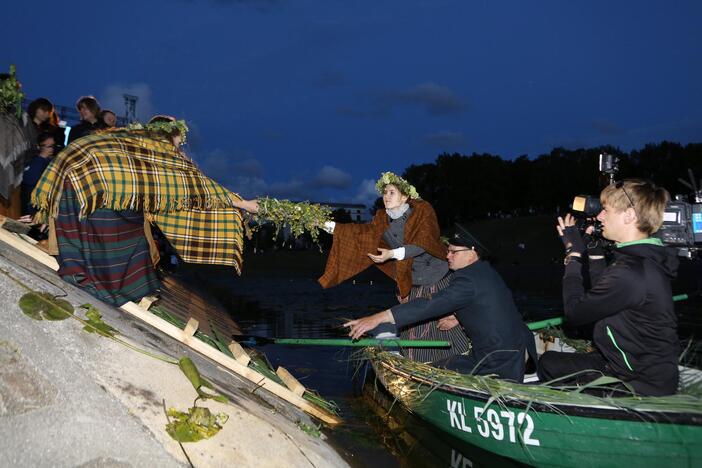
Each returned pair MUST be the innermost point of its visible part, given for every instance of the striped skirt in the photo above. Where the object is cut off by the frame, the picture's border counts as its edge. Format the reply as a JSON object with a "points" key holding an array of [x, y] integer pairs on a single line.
{"points": [[428, 330], [106, 253]]}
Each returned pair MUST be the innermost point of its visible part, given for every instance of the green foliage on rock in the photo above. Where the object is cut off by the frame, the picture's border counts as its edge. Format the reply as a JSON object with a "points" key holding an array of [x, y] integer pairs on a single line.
{"points": [[199, 382], [95, 324], [44, 306], [197, 424], [312, 431]]}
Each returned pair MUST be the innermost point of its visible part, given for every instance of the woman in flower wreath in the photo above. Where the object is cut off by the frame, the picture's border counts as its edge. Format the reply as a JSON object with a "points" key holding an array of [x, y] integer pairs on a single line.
{"points": [[403, 240]]}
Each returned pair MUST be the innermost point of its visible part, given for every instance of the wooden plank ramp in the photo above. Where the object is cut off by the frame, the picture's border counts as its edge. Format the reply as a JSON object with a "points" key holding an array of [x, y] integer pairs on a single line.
{"points": [[237, 365]]}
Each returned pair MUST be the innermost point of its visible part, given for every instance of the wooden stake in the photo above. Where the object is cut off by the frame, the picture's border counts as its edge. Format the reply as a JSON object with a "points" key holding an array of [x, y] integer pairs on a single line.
{"points": [[29, 249], [241, 356], [190, 329], [146, 301], [291, 382]]}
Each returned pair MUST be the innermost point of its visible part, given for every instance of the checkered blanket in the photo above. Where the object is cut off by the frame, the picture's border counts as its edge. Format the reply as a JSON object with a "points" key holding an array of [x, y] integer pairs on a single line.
{"points": [[133, 170]]}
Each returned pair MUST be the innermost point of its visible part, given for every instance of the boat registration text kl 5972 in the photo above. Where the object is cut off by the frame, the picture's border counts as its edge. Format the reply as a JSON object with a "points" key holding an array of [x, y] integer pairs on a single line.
{"points": [[505, 425]]}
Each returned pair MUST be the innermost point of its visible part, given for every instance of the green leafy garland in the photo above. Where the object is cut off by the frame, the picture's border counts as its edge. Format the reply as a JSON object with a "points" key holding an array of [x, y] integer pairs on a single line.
{"points": [[11, 94], [387, 178], [163, 127], [300, 217]]}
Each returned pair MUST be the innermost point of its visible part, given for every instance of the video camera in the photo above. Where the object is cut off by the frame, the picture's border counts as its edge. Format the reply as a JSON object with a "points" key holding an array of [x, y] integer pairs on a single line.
{"points": [[682, 219]]}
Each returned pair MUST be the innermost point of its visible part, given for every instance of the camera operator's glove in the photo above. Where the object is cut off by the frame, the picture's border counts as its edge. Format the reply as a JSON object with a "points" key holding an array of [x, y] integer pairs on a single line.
{"points": [[595, 247], [572, 240]]}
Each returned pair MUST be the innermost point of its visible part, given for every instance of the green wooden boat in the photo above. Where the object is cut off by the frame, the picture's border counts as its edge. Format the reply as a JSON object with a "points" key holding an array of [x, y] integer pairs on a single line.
{"points": [[541, 426]]}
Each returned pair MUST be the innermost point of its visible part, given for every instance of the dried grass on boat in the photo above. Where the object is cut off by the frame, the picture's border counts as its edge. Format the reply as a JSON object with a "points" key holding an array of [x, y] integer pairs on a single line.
{"points": [[427, 377]]}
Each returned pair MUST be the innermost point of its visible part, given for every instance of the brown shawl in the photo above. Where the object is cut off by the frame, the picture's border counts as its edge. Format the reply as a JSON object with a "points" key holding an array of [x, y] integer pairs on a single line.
{"points": [[352, 243]]}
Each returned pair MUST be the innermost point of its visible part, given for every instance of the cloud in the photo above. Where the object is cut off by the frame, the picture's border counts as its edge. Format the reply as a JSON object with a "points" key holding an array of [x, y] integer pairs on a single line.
{"points": [[113, 98], [366, 194], [240, 172], [220, 162], [606, 128], [432, 98], [445, 139], [331, 177], [294, 189]]}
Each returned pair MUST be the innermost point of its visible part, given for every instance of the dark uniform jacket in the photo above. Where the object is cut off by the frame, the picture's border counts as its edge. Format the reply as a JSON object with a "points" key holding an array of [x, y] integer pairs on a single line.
{"points": [[485, 309], [84, 128], [632, 307]]}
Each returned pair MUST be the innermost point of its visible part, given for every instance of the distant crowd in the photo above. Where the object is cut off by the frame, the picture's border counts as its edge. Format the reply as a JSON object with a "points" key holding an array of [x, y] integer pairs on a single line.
{"points": [[49, 136]]}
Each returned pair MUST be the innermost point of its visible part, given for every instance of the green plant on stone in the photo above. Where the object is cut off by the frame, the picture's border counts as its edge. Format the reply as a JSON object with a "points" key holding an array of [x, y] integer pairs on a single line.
{"points": [[44, 306], [310, 430], [197, 424]]}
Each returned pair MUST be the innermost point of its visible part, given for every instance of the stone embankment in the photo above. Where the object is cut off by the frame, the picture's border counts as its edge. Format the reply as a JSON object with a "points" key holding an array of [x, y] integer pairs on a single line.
{"points": [[70, 398]]}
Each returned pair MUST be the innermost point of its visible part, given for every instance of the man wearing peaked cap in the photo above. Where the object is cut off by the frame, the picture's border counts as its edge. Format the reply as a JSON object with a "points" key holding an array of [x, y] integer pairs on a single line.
{"points": [[483, 306]]}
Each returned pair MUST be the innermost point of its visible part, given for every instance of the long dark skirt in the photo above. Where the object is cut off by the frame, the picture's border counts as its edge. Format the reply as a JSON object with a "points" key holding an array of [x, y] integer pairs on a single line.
{"points": [[105, 253], [428, 331]]}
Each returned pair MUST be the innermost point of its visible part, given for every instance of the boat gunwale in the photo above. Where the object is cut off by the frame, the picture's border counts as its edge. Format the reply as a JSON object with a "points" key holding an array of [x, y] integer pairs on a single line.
{"points": [[560, 408]]}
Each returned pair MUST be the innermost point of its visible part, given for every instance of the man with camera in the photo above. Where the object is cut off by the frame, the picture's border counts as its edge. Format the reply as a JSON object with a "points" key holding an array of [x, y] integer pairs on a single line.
{"points": [[630, 301]]}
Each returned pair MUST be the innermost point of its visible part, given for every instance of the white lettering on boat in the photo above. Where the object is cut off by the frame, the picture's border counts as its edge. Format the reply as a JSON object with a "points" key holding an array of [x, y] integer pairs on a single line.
{"points": [[505, 425], [529, 429], [458, 415], [458, 460]]}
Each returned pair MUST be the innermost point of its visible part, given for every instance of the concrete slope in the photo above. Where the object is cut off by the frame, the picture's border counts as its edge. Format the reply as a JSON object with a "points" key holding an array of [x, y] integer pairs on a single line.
{"points": [[70, 398]]}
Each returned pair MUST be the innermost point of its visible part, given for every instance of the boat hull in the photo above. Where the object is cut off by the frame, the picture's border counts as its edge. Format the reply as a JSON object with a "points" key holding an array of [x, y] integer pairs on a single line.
{"points": [[543, 434]]}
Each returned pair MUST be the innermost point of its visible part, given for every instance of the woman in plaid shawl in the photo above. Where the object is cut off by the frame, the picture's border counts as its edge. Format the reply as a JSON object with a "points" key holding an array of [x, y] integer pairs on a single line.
{"points": [[403, 240], [101, 188]]}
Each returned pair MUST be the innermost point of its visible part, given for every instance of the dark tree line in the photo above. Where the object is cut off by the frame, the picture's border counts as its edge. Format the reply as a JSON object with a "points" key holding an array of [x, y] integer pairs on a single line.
{"points": [[464, 188]]}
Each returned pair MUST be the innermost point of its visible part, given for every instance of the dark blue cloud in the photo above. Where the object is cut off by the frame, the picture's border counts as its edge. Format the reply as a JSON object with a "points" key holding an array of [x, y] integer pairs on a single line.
{"points": [[606, 128], [445, 140], [433, 99]]}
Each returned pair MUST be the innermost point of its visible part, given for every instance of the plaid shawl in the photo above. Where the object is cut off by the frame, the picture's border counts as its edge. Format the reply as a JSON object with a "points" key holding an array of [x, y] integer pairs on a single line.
{"points": [[105, 253], [141, 171], [352, 243]]}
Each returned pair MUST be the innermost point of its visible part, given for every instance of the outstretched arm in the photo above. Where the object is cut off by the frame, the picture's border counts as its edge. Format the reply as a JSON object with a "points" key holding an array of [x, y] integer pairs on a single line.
{"points": [[457, 295], [360, 326], [249, 205]]}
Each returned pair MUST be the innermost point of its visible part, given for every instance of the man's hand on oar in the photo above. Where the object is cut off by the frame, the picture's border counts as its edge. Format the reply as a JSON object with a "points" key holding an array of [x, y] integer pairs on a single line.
{"points": [[363, 325]]}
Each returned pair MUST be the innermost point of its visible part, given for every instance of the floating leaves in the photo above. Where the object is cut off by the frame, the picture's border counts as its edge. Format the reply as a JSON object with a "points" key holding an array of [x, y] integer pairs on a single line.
{"points": [[94, 322], [197, 424], [44, 306], [199, 382]]}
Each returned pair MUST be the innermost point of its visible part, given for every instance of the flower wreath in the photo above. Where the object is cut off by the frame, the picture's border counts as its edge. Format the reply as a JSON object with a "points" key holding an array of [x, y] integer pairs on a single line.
{"points": [[387, 178], [11, 94], [163, 127]]}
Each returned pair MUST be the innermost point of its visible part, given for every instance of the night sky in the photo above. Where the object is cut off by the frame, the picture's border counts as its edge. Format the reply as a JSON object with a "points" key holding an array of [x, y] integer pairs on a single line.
{"points": [[313, 99]]}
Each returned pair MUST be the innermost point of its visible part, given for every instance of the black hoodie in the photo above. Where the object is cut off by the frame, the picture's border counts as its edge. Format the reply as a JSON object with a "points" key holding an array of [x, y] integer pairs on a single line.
{"points": [[632, 307]]}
